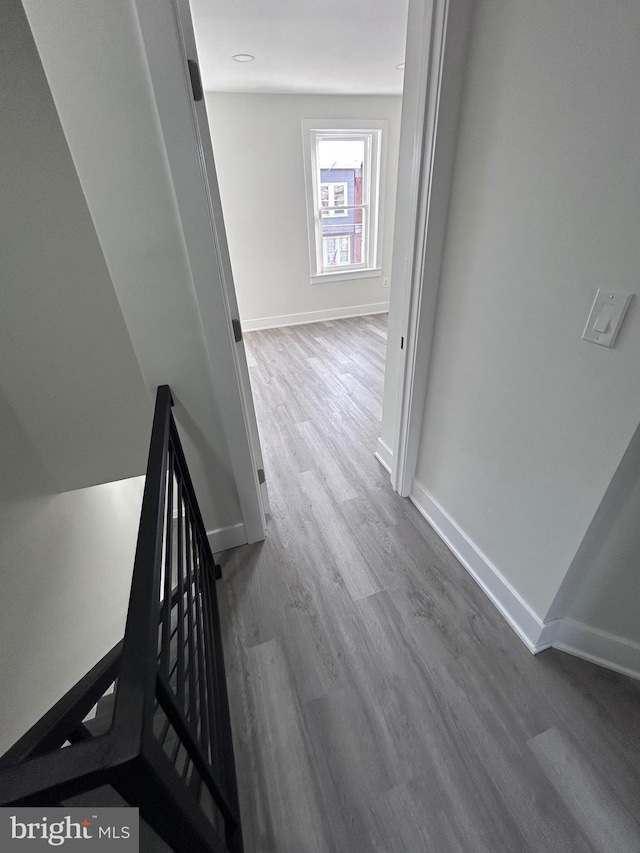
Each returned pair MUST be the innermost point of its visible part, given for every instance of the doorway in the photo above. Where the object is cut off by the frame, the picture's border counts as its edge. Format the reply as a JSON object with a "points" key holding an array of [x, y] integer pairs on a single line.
{"points": [[262, 117]]}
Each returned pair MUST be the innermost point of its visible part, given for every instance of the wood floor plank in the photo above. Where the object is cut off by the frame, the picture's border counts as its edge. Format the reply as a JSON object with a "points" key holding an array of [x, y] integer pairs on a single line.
{"points": [[289, 818], [336, 482], [380, 703], [587, 794]]}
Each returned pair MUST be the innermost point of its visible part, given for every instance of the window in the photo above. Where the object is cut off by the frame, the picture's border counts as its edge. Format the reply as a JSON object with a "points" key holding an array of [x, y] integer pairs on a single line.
{"points": [[343, 175]]}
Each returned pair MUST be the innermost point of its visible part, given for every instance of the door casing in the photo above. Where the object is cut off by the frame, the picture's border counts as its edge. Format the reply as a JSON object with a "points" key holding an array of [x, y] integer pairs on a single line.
{"points": [[435, 63], [203, 227]]}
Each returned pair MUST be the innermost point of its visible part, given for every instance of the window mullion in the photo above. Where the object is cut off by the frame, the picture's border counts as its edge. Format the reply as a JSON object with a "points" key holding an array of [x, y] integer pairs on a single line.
{"points": [[345, 207]]}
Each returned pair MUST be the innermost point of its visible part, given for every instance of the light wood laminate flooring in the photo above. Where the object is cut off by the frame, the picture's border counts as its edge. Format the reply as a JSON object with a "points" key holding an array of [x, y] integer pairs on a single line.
{"points": [[379, 700]]}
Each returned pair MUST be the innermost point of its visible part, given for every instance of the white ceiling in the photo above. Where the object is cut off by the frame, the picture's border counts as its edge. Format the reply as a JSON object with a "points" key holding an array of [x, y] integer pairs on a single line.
{"points": [[309, 46]]}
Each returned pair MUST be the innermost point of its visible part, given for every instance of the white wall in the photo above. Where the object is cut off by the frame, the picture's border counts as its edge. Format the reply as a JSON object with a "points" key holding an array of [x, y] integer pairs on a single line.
{"points": [[97, 66], [602, 588], [66, 360], [65, 567], [525, 424], [74, 409], [257, 142]]}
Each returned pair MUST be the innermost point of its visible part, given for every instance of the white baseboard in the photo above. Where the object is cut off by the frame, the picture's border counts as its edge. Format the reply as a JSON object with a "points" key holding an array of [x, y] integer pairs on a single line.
{"points": [[575, 638], [384, 454], [314, 316], [527, 624], [224, 538], [608, 650]]}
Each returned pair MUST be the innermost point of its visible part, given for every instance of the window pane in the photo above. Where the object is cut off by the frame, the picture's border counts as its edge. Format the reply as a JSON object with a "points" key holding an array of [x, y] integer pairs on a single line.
{"points": [[332, 195], [343, 240], [341, 175], [336, 251], [340, 154]]}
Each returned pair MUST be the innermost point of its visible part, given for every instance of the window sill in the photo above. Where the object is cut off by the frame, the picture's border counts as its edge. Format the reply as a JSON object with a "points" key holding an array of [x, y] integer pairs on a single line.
{"points": [[344, 275]]}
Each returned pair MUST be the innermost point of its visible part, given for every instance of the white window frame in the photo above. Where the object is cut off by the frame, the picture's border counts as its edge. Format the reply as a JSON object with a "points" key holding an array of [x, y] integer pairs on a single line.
{"points": [[375, 134]]}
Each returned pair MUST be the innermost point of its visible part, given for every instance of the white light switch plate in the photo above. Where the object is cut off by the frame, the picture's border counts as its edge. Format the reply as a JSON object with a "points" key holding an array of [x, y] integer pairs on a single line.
{"points": [[605, 319]]}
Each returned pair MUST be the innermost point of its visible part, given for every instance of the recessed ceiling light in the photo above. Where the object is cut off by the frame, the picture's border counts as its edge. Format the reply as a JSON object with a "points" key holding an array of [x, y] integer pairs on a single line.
{"points": [[400, 67], [243, 57]]}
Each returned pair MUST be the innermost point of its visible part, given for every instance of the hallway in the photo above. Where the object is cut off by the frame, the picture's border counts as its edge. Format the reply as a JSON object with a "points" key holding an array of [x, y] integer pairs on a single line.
{"points": [[379, 701]]}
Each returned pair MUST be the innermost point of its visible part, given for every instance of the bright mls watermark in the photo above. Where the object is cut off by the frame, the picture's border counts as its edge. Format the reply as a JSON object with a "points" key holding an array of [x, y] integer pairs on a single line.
{"points": [[79, 829]]}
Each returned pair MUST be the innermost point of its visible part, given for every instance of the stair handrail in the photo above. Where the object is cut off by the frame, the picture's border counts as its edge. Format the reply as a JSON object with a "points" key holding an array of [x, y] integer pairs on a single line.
{"points": [[128, 756], [58, 724]]}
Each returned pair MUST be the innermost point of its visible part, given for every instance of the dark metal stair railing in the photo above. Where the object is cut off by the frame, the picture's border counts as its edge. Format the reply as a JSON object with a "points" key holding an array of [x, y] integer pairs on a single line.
{"points": [[168, 749]]}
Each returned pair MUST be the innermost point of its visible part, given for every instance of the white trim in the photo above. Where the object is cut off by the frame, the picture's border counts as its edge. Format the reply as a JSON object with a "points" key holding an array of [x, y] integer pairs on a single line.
{"points": [[599, 647], [384, 455], [227, 537], [314, 316], [345, 275], [524, 621], [437, 38], [229, 367]]}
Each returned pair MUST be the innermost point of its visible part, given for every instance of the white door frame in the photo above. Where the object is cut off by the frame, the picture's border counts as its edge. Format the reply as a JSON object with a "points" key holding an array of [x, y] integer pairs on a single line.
{"points": [[184, 21], [437, 40], [185, 130]]}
